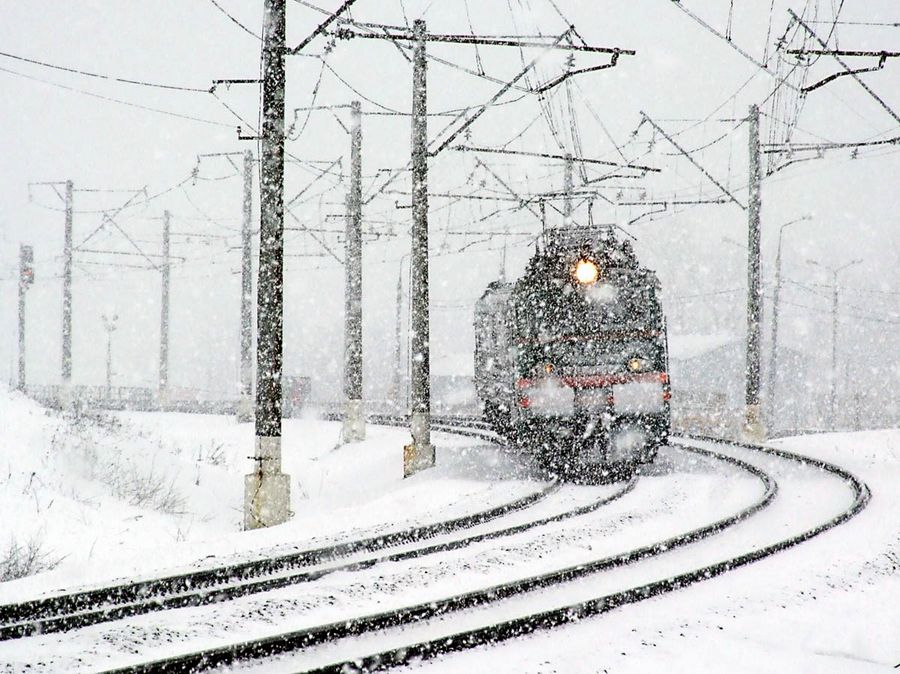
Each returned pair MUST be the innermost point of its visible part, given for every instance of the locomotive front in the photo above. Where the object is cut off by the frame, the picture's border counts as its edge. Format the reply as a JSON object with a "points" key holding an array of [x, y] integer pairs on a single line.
{"points": [[586, 386]]}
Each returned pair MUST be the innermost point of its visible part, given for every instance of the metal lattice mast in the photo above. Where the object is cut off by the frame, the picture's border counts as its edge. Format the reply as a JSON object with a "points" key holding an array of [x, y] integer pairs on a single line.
{"points": [[568, 186]]}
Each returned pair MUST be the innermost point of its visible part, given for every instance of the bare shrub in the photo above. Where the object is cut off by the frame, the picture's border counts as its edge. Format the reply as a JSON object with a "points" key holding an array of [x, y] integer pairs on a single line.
{"points": [[143, 489], [84, 429], [26, 558]]}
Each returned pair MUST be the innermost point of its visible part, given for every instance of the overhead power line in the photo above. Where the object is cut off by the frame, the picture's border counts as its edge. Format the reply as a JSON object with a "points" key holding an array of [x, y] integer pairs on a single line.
{"points": [[728, 40], [111, 99], [781, 147], [544, 155], [843, 52], [111, 78], [693, 161], [235, 21]]}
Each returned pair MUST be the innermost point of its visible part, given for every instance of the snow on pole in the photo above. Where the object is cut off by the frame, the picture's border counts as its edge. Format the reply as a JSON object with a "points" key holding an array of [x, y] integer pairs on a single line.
{"points": [[419, 454], [753, 427], [354, 428], [164, 314], [267, 496], [245, 404], [65, 391], [26, 278]]}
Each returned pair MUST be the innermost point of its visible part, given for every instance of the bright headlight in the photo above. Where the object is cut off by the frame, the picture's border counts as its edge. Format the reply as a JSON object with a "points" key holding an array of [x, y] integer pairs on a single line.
{"points": [[586, 272], [637, 364]]}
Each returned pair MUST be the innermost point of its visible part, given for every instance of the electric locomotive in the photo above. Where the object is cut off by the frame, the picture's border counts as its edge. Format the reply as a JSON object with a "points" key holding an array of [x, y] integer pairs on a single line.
{"points": [[571, 360]]}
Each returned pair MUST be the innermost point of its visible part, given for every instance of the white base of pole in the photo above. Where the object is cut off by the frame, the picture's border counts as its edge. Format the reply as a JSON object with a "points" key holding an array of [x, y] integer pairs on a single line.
{"points": [[267, 492], [753, 430], [419, 454], [354, 422]]}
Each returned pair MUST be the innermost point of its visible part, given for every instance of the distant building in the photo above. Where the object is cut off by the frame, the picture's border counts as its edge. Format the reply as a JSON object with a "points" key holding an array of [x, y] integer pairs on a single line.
{"points": [[708, 386]]}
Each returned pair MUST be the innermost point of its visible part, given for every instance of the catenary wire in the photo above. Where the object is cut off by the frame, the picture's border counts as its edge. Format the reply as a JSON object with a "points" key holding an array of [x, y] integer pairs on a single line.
{"points": [[110, 78], [235, 21], [115, 100]]}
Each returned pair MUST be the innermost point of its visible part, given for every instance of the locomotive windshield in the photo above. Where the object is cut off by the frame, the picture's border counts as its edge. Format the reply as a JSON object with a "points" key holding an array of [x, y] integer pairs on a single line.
{"points": [[600, 325], [623, 302]]}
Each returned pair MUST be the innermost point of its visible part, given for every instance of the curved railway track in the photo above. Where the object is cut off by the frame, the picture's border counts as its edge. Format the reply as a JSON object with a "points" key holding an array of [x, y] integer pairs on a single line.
{"points": [[441, 610], [570, 613], [380, 624], [81, 609], [88, 607]]}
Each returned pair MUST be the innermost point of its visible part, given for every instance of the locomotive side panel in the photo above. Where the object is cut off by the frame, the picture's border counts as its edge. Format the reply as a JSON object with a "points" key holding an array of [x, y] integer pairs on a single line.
{"points": [[494, 354]]}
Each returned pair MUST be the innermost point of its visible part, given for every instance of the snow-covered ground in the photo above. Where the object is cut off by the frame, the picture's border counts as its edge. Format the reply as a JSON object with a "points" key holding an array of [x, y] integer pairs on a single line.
{"points": [[830, 605], [132, 494]]}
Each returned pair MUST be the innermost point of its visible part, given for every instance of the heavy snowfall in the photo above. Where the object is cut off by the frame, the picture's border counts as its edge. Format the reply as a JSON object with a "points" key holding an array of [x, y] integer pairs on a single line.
{"points": [[532, 336]]}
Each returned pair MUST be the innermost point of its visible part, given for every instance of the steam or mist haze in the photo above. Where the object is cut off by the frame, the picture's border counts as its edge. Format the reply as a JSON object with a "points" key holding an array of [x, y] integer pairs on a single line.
{"points": [[107, 135]]}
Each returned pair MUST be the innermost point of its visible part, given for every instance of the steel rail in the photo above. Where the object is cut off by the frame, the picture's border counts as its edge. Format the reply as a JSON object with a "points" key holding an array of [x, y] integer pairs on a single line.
{"points": [[214, 594], [573, 613], [305, 638], [79, 609], [225, 593]]}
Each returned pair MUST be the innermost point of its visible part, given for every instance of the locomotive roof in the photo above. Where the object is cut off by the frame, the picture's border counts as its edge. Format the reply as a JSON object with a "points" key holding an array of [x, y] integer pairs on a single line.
{"points": [[610, 254]]}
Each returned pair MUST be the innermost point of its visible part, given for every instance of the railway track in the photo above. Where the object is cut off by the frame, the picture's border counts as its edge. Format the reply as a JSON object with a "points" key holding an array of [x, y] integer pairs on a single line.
{"points": [[80, 609], [457, 640], [369, 631], [374, 630], [375, 625]]}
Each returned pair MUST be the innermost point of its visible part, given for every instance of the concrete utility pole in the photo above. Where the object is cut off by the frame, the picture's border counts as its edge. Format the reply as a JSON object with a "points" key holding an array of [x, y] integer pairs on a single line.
{"points": [[26, 278], [776, 309], [397, 380], [398, 342], [752, 423], [267, 495], [245, 404], [832, 395], [66, 389], [354, 415], [109, 324], [419, 454], [164, 315]]}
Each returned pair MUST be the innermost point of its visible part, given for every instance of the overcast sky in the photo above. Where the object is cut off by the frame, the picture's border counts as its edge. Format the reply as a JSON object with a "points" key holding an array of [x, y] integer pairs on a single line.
{"points": [[107, 135]]}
